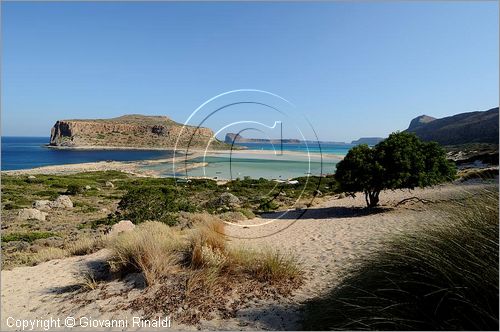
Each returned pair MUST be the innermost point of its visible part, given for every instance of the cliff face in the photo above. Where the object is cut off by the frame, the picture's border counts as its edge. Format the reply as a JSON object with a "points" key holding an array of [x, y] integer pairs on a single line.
{"points": [[136, 131], [463, 128]]}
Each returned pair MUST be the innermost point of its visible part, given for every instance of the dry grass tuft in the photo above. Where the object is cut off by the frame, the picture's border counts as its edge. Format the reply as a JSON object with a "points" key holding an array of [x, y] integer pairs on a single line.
{"points": [[152, 248], [88, 280], [87, 245], [198, 270], [47, 254], [207, 244]]}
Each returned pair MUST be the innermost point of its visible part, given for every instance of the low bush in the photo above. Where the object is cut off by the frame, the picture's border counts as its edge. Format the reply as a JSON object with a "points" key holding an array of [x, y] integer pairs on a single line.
{"points": [[153, 203], [28, 236], [74, 189]]}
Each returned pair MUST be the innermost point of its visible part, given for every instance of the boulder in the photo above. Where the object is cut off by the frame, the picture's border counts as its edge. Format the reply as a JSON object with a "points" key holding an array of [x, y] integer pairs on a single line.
{"points": [[110, 184], [31, 214], [62, 202], [121, 226], [42, 204]]}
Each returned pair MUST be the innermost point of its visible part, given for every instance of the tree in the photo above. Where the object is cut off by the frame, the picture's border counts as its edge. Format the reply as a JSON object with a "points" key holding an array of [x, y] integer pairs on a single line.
{"points": [[400, 161]]}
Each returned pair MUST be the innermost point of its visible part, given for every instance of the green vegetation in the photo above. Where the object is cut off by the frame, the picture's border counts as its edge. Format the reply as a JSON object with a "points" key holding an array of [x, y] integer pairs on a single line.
{"points": [[74, 189], [27, 236], [152, 203], [400, 161], [441, 278]]}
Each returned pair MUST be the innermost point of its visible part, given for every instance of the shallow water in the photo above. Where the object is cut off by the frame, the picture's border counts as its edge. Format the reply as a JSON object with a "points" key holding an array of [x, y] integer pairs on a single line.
{"points": [[232, 168]]}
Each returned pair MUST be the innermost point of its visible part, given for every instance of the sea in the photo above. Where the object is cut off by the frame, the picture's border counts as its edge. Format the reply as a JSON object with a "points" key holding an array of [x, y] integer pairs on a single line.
{"points": [[29, 152]]}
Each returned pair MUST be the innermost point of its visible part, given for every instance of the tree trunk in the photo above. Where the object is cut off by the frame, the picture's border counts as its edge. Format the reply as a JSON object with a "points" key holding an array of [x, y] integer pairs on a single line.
{"points": [[371, 198]]}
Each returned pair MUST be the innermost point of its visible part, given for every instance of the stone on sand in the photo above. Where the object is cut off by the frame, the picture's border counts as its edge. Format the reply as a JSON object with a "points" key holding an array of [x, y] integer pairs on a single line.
{"points": [[226, 200], [42, 204], [31, 214], [62, 202], [121, 227]]}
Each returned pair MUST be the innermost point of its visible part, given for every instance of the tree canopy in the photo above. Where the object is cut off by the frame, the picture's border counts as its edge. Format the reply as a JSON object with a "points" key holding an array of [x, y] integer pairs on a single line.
{"points": [[402, 161]]}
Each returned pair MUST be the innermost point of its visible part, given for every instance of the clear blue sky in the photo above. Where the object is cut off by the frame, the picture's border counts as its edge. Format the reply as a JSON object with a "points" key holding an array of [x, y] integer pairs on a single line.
{"points": [[355, 69]]}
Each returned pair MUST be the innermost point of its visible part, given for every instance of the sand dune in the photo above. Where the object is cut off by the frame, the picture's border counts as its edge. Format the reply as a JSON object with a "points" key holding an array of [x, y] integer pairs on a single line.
{"points": [[327, 240]]}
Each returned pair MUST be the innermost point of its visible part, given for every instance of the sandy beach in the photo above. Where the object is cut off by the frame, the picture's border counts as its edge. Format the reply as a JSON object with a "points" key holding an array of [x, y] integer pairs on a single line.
{"points": [[139, 168], [327, 240]]}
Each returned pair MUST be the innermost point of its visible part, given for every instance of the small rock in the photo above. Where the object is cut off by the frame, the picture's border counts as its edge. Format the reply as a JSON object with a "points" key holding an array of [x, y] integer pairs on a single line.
{"points": [[226, 201], [340, 196], [42, 204], [110, 184], [62, 202], [121, 226], [31, 177], [31, 214], [87, 187]]}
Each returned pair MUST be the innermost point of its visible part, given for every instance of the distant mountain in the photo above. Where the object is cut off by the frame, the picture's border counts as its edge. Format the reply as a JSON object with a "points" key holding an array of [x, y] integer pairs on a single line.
{"points": [[367, 140], [420, 120], [463, 128], [236, 138]]}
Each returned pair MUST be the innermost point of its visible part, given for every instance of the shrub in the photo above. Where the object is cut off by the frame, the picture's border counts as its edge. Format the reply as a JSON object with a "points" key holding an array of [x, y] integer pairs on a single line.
{"points": [[74, 189], [267, 204], [443, 278], [152, 203], [28, 236], [247, 213], [400, 161]]}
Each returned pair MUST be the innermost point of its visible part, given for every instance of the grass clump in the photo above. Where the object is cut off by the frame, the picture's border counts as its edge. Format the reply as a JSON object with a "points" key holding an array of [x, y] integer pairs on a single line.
{"points": [[152, 248], [443, 278], [197, 269], [47, 254], [87, 245]]}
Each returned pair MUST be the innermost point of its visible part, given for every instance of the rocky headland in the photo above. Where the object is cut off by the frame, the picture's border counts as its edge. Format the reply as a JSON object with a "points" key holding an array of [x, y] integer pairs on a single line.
{"points": [[131, 131]]}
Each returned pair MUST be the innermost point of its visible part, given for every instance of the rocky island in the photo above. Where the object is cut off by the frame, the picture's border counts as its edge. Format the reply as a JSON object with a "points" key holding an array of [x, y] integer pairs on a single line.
{"points": [[131, 131]]}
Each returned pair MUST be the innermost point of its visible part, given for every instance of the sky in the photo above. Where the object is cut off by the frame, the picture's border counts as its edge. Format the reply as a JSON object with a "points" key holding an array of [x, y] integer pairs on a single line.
{"points": [[352, 69]]}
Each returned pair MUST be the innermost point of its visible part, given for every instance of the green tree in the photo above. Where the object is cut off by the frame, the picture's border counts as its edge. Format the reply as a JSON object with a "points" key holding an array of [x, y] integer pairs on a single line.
{"points": [[400, 161]]}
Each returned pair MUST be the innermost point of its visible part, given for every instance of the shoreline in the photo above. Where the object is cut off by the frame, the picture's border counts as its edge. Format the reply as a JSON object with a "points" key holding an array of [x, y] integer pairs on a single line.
{"points": [[137, 167]]}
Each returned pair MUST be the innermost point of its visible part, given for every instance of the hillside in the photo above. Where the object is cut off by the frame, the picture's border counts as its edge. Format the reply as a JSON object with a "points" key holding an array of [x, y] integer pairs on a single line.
{"points": [[135, 131], [463, 128]]}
